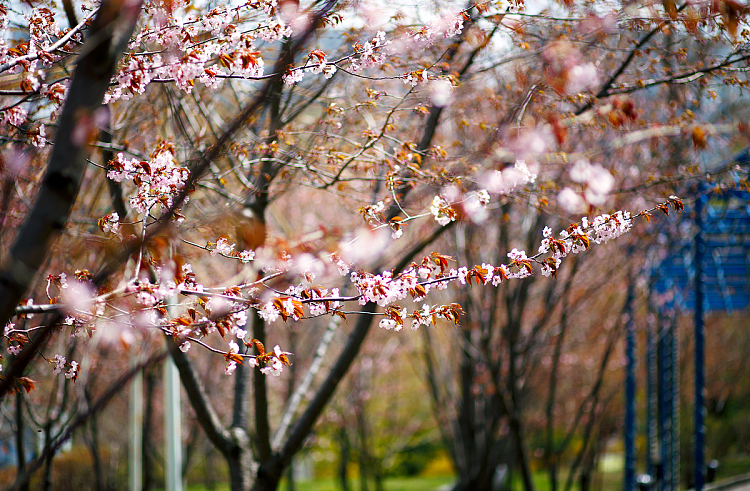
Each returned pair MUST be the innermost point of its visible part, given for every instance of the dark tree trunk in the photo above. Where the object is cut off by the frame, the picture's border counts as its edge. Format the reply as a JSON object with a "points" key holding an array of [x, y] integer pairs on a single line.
{"points": [[343, 438], [147, 449], [20, 450], [269, 475], [290, 485], [209, 471], [364, 453], [110, 32], [95, 456], [377, 474], [91, 437], [47, 484]]}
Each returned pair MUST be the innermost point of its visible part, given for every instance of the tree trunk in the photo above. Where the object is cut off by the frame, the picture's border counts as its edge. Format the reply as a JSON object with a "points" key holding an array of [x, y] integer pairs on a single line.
{"points": [[523, 460], [364, 451], [209, 470], [20, 451], [147, 449], [110, 32], [269, 474], [290, 476], [344, 459], [240, 459], [95, 457], [47, 485], [377, 474]]}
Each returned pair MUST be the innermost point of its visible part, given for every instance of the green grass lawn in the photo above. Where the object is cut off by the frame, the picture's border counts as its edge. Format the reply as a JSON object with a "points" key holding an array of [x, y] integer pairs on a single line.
{"points": [[417, 483], [405, 484], [734, 466], [391, 484], [608, 478]]}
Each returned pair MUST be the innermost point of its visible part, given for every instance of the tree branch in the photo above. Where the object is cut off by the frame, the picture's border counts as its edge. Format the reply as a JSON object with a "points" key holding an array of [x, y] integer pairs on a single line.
{"points": [[624, 65], [262, 424], [205, 412], [306, 421], [110, 31], [303, 387], [114, 389]]}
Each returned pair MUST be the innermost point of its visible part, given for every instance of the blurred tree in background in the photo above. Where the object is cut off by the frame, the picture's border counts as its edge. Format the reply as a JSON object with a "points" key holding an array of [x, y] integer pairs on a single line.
{"points": [[248, 187]]}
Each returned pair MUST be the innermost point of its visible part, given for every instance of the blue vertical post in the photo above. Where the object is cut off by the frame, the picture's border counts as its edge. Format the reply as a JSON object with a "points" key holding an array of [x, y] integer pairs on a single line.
{"points": [[700, 379], [665, 401], [675, 403], [668, 393], [630, 460], [651, 411]]}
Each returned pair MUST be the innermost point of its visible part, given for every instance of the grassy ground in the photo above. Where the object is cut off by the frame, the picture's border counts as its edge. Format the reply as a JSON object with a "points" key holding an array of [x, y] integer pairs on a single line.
{"points": [[733, 467], [412, 484], [391, 484], [610, 477]]}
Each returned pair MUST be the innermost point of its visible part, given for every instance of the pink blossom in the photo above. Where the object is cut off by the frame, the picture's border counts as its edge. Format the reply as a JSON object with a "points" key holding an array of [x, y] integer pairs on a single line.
{"points": [[59, 362], [505, 181], [516, 255], [581, 78], [475, 209], [72, 371], [223, 247], [78, 297], [416, 77], [371, 54], [461, 273], [441, 211], [38, 138], [15, 116], [598, 181], [111, 223], [570, 201], [268, 312], [247, 256]]}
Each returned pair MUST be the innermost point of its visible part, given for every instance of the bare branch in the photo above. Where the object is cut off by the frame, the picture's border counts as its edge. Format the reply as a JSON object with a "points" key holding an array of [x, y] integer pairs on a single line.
{"points": [[110, 31]]}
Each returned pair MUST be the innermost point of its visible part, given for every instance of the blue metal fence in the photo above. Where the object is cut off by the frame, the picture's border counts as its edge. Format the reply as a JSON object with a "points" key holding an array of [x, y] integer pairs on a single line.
{"points": [[707, 269]]}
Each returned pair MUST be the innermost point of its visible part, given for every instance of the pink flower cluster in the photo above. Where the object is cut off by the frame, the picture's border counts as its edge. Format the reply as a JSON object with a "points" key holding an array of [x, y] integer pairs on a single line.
{"points": [[416, 282], [227, 312], [110, 223], [416, 77], [383, 288], [42, 25], [60, 364], [223, 247], [442, 211], [577, 238], [506, 180], [191, 47], [158, 180], [444, 28], [370, 54], [596, 182]]}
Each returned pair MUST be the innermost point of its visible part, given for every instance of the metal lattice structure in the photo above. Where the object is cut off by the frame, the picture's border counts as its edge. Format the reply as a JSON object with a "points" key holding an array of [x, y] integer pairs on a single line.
{"points": [[706, 269], [726, 266]]}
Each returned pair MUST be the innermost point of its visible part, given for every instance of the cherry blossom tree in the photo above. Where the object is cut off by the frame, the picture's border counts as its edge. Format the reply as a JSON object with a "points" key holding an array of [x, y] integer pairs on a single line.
{"points": [[245, 194]]}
